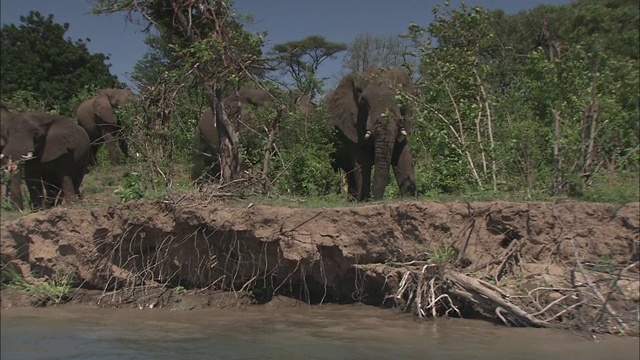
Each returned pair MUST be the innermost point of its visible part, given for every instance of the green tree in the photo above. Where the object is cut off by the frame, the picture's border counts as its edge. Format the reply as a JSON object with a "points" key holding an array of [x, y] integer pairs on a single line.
{"points": [[301, 59], [543, 99], [208, 40], [37, 59]]}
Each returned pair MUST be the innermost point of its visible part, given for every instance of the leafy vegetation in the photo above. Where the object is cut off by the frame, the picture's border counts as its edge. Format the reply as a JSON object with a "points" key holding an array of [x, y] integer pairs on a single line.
{"points": [[56, 289], [539, 104], [43, 70]]}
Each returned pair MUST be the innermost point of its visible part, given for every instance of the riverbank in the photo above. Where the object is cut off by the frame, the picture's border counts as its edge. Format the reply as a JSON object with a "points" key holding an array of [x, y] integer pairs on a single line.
{"points": [[572, 265]]}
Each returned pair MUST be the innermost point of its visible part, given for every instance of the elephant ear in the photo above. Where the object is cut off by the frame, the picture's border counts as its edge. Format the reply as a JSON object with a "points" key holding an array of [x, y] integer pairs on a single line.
{"points": [[407, 108], [104, 110], [343, 106], [404, 83], [61, 137]]}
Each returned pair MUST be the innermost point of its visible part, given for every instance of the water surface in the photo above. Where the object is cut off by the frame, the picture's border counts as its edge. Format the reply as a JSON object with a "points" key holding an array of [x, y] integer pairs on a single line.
{"points": [[327, 332]]}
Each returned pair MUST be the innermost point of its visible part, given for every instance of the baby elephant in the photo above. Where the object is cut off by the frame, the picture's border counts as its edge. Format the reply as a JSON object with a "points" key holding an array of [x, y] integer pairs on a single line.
{"points": [[53, 151]]}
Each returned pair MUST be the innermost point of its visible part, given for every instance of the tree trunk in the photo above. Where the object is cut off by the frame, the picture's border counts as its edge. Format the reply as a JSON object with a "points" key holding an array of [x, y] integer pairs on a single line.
{"points": [[558, 179], [269, 149], [230, 159]]}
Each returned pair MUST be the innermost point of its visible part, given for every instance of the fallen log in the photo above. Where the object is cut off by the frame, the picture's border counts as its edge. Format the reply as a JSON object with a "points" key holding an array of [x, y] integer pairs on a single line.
{"points": [[489, 300]]}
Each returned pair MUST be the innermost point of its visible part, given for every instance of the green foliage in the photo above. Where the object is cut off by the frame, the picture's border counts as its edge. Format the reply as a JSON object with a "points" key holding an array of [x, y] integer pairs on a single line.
{"points": [[484, 122], [305, 170], [302, 166], [179, 290], [622, 188], [56, 289], [132, 188], [37, 60], [444, 255], [493, 94]]}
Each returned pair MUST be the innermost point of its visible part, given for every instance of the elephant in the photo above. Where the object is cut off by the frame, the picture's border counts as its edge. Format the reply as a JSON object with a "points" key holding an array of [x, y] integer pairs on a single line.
{"points": [[206, 138], [301, 103], [206, 144], [6, 110], [372, 129], [96, 116], [54, 153]]}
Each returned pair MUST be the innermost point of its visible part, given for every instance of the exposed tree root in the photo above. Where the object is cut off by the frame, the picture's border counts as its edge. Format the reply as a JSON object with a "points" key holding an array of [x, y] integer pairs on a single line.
{"points": [[431, 290]]}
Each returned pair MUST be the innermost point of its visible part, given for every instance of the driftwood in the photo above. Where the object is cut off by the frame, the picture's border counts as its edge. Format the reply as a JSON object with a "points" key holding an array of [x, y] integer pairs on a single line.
{"points": [[489, 298]]}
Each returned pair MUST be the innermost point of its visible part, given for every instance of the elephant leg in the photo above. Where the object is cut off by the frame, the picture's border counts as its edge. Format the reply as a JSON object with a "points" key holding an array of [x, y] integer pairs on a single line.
{"points": [[365, 181], [69, 190], [110, 143], [93, 158], [404, 170], [364, 166], [53, 193], [198, 168], [36, 188], [352, 175], [354, 182], [15, 189], [124, 146]]}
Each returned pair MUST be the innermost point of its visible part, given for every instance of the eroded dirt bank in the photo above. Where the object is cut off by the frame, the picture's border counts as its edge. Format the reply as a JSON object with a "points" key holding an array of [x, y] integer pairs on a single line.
{"points": [[572, 263]]}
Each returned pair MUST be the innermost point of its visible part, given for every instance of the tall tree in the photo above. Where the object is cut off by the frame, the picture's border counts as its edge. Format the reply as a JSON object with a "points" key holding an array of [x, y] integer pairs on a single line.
{"points": [[545, 98], [208, 40], [36, 58], [367, 50], [301, 59]]}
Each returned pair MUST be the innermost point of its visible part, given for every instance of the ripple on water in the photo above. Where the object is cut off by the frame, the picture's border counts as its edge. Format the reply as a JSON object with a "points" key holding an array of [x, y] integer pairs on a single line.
{"points": [[331, 332]]}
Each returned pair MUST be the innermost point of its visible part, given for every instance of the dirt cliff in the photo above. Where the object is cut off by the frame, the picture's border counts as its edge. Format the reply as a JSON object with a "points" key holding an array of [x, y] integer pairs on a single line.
{"points": [[531, 255]]}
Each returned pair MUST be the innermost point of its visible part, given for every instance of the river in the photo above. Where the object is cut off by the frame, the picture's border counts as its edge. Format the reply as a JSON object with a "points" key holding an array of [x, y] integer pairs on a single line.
{"points": [[327, 332]]}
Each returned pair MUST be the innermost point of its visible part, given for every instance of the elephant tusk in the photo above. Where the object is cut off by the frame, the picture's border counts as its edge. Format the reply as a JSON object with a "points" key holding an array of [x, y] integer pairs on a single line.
{"points": [[403, 132], [29, 156], [367, 135]]}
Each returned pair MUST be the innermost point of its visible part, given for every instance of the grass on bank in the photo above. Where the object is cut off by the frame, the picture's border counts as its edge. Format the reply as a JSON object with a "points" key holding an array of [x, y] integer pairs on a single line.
{"points": [[55, 290], [107, 185]]}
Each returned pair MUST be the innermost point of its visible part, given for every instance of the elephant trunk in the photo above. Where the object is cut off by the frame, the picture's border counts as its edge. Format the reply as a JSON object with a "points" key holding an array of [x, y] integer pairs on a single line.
{"points": [[383, 152]]}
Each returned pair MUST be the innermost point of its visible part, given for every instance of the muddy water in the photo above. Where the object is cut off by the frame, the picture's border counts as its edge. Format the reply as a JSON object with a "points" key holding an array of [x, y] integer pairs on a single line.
{"points": [[329, 332]]}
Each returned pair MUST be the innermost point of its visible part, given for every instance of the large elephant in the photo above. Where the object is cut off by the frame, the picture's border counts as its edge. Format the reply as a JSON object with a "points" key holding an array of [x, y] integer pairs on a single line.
{"points": [[206, 138], [206, 144], [5, 112], [373, 126], [54, 152], [96, 116]]}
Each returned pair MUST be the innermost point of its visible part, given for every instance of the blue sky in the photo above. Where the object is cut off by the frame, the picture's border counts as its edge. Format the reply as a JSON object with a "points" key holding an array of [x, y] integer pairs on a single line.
{"points": [[286, 20]]}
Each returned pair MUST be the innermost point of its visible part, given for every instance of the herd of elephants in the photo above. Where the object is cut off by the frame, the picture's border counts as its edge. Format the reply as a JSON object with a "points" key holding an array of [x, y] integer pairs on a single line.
{"points": [[52, 153]]}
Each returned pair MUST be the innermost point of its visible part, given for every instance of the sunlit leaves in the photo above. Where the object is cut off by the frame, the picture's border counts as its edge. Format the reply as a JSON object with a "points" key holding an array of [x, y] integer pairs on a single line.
{"points": [[38, 59]]}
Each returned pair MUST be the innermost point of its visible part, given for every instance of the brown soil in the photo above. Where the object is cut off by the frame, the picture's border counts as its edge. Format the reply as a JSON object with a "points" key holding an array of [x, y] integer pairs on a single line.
{"points": [[547, 258]]}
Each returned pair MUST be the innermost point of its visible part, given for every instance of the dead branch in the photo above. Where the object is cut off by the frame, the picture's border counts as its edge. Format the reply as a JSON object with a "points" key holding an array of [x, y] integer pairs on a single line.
{"points": [[476, 293]]}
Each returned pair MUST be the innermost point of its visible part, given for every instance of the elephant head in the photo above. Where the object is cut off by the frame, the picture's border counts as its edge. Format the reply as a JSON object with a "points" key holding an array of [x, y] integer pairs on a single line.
{"points": [[54, 151], [303, 104], [97, 116], [364, 107]]}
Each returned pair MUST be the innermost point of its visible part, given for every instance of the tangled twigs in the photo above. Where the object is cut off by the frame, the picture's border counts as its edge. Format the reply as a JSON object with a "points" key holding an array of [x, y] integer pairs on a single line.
{"points": [[473, 291], [423, 289], [605, 304]]}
